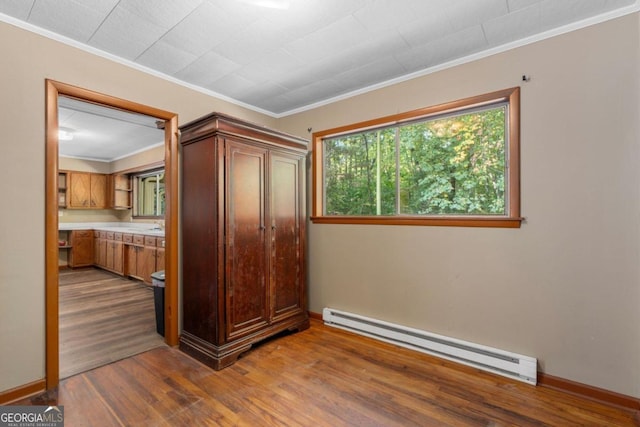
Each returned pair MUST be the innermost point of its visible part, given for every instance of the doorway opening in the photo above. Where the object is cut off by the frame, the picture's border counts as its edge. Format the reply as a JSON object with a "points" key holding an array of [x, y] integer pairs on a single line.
{"points": [[166, 120]]}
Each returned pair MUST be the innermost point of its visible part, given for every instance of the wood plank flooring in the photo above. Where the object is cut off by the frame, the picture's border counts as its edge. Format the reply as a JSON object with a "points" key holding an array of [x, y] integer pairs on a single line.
{"points": [[319, 377], [103, 318]]}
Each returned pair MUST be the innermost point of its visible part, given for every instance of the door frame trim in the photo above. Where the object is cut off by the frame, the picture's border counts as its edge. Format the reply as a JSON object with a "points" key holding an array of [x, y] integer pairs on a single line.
{"points": [[53, 90]]}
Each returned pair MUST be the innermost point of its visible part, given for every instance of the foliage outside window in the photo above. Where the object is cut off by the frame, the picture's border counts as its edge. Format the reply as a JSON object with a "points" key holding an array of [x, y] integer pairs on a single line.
{"points": [[454, 164], [149, 194]]}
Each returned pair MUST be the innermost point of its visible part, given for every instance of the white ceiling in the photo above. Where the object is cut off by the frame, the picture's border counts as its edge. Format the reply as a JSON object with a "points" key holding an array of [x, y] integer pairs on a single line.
{"points": [[104, 134], [280, 61]]}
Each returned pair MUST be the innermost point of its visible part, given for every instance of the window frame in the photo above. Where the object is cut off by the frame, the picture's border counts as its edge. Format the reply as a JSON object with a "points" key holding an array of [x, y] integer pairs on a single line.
{"points": [[512, 219], [135, 178]]}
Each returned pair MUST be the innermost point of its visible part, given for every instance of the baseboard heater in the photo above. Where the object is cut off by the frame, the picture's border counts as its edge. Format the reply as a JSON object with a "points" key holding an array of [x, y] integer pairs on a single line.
{"points": [[511, 365]]}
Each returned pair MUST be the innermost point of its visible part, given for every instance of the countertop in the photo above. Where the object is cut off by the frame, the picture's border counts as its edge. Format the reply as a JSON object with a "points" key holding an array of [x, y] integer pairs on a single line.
{"points": [[117, 227]]}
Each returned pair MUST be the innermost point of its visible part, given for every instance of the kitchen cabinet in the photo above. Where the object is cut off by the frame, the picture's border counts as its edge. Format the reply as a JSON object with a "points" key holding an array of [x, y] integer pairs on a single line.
{"points": [[144, 257], [62, 189], [114, 261], [81, 253], [134, 245], [86, 190], [108, 251], [120, 191], [100, 248], [243, 237]]}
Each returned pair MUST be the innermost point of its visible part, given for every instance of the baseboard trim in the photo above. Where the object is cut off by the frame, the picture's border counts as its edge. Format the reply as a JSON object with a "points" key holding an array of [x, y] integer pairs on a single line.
{"points": [[314, 315], [22, 392], [589, 392]]}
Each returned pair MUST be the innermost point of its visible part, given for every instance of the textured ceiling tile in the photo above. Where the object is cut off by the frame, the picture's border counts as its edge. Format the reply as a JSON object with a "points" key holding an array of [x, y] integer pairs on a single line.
{"points": [[520, 4], [207, 69], [381, 69], [255, 40], [468, 13], [162, 13], [68, 18], [278, 104], [165, 58], [232, 85], [314, 92], [116, 36], [460, 44], [445, 49], [293, 79], [328, 40], [307, 16], [17, 8], [384, 15], [560, 12], [514, 26], [206, 27], [270, 66], [428, 29], [263, 92]]}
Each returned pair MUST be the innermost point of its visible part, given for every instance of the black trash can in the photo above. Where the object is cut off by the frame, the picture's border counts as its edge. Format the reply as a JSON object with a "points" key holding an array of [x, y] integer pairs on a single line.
{"points": [[157, 280]]}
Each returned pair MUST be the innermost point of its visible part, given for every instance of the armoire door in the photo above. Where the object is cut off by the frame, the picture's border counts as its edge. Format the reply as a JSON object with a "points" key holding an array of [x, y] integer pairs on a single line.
{"points": [[246, 235], [287, 219]]}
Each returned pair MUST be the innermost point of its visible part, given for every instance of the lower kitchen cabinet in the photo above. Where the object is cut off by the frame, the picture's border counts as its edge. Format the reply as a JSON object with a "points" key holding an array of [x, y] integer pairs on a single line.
{"points": [[100, 248], [115, 253], [143, 256], [81, 253]]}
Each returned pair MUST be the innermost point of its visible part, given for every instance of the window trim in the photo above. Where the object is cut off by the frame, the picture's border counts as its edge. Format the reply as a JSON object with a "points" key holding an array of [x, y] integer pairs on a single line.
{"points": [[511, 220]]}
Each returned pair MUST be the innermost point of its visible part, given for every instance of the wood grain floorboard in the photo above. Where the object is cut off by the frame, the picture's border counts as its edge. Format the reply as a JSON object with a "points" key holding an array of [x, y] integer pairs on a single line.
{"points": [[319, 377], [103, 318]]}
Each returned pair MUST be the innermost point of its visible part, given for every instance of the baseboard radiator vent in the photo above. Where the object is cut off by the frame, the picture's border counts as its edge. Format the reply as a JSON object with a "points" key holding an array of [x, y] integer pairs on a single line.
{"points": [[511, 365]]}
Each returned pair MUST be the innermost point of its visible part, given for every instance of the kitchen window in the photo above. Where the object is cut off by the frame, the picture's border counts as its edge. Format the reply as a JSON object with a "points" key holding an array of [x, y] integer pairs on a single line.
{"points": [[149, 194], [454, 164]]}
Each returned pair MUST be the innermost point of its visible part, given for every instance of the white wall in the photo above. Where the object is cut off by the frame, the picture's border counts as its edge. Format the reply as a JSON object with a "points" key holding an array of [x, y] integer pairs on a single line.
{"points": [[565, 287]]}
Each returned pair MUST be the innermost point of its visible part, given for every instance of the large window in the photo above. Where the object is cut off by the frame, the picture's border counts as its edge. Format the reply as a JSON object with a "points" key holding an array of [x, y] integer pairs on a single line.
{"points": [[453, 164]]}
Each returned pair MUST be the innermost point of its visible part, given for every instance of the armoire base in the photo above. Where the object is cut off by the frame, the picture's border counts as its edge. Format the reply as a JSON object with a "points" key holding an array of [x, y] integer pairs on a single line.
{"points": [[219, 357]]}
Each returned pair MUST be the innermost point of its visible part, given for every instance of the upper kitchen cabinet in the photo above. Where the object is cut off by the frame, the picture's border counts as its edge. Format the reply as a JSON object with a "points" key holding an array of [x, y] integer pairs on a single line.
{"points": [[120, 191], [62, 189], [86, 190]]}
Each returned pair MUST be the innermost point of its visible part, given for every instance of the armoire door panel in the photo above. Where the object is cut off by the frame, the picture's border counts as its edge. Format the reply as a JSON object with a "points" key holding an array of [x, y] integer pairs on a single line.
{"points": [[286, 268], [246, 239]]}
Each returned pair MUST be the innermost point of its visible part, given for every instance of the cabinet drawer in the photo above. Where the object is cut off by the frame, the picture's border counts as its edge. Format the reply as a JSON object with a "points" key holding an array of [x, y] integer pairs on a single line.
{"points": [[160, 242], [83, 233], [127, 238], [149, 241], [117, 237], [110, 235], [96, 234], [138, 239]]}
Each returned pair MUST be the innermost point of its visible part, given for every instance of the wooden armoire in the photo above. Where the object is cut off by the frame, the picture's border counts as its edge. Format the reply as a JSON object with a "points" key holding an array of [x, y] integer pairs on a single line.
{"points": [[243, 236]]}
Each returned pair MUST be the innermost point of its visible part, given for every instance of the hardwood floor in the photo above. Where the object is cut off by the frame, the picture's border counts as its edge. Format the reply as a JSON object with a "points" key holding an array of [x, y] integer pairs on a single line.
{"points": [[319, 377], [103, 318]]}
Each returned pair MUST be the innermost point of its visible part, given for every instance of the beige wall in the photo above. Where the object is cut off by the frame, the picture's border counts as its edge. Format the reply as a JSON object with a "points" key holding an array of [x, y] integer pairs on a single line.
{"points": [[29, 59], [147, 157], [565, 287]]}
